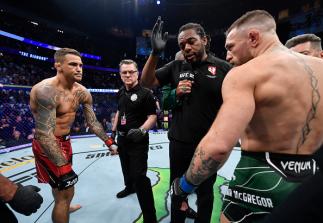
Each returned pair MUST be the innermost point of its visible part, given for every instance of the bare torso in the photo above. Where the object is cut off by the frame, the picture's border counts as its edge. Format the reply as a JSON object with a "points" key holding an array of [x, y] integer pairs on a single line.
{"points": [[288, 116], [67, 103]]}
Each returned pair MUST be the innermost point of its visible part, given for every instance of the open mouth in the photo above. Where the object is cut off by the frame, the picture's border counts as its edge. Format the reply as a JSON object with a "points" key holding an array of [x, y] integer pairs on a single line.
{"points": [[190, 57]]}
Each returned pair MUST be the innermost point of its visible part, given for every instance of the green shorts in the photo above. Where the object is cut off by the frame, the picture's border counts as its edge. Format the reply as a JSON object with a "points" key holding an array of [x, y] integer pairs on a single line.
{"points": [[261, 181]]}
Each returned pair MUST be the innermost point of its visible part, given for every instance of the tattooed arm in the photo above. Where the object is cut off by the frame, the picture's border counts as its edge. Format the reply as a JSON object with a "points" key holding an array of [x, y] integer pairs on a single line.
{"points": [[43, 104], [217, 144], [90, 117]]}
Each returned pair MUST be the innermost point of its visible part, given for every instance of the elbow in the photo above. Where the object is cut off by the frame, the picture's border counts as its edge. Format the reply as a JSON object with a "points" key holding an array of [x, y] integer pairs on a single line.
{"points": [[145, 83], [218, 150], [92, 128], [148, 80], [39, 134]]}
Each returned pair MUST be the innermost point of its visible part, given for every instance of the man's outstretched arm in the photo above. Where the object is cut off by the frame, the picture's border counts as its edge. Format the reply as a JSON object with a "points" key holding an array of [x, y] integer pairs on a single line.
{"points": [[215, 147], [90, 117], [95, 125]]}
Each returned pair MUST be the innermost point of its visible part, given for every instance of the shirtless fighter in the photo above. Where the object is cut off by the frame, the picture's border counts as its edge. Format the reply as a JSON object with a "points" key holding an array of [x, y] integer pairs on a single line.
{"points": [[54, 102]]}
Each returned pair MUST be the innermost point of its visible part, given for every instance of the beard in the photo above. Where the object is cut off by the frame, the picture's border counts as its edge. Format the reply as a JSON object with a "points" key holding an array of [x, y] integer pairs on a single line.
{"points": [[198, 56], [78, 79]]}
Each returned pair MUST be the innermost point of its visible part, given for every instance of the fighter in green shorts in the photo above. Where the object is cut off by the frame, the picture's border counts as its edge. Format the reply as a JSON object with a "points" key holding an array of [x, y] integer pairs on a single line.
{"points": [[261, 181]]}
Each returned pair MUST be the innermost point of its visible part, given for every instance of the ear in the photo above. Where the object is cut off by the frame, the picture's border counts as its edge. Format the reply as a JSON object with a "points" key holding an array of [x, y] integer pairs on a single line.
{"points": [[57, 66], [321, 54], [254, 37], [204, 40]]}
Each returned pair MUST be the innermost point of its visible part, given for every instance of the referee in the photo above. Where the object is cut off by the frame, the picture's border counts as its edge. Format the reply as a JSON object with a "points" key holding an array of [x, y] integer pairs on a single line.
{"points": [[135, 116], [198, 80]]}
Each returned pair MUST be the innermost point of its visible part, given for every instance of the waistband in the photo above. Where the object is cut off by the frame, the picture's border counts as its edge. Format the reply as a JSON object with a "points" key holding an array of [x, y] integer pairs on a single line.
{"points": [[293, 167], [66, 137], [280, 156]]}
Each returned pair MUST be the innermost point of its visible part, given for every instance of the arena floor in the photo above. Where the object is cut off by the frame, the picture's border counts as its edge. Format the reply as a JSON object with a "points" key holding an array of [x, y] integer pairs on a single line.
{"points": [[100, 178]]}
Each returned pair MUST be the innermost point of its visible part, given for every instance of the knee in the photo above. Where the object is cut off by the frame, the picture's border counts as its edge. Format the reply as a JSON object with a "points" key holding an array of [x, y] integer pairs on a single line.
{"points": [[64, 196]]}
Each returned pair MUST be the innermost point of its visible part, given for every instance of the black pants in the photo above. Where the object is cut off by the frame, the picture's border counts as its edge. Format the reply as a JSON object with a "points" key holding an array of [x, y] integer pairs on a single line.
{"points": [[133, 158], [180, 155], [6, 215]]}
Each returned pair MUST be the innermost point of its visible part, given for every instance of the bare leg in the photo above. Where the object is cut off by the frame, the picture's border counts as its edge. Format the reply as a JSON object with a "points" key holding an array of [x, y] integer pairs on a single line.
{"points": [[61, 209], [224, 219]]}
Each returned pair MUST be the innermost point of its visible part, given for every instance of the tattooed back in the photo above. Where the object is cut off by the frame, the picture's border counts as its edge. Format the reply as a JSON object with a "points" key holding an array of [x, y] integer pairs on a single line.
{"points": [[287, 92]]}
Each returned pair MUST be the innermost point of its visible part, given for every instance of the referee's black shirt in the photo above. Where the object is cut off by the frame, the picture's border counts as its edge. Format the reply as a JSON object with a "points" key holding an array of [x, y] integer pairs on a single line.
{"points": [[135, 105], [192, 120]]}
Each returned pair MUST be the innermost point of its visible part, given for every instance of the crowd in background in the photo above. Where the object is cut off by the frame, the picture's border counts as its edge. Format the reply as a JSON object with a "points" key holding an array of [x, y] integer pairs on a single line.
{"points": [[16, 121], [17, 124]]}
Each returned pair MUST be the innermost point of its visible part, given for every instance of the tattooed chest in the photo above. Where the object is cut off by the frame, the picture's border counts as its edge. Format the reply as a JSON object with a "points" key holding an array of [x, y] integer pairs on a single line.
{"points": [[68, 102]]}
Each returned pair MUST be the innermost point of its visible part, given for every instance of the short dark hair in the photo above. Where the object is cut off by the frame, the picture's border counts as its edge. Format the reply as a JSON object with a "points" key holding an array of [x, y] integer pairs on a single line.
{"points": [[61, 53], [309, 37], [197, 27], [260, 17], [128, 61]]}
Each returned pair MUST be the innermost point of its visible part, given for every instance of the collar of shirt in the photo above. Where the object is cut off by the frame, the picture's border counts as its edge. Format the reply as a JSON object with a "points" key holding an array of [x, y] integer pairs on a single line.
{"points": [[135, 88]]}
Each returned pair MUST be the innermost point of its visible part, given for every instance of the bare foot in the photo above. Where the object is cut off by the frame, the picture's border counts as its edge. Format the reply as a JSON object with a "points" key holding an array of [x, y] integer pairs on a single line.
{"points": [[74, 207]]}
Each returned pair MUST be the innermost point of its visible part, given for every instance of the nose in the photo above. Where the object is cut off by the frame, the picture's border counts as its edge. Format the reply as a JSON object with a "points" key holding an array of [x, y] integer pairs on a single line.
{"points": [[78, 68], [187, 47], [229, 57]]}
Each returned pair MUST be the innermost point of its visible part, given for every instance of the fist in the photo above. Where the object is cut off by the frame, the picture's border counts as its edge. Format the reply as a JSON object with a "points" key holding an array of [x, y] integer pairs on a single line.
{"points": [[183, 87], [182, 188], [26, 200], [113, 149], [112, 145]]}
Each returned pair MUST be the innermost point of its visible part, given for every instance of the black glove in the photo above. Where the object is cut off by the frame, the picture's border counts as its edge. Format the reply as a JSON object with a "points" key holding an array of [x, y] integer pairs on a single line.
{"points": [[158, 39], [66, 178], [136, 135], [26, 199], [181, 188]]}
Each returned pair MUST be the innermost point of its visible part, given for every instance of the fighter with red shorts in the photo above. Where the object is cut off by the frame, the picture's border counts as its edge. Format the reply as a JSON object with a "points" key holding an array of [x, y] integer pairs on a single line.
{"points": [[54, 102], [48, 172]]}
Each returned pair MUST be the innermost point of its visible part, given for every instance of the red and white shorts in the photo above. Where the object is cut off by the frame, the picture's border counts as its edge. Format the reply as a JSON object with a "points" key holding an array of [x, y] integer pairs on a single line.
{"points": [[47, 171]]}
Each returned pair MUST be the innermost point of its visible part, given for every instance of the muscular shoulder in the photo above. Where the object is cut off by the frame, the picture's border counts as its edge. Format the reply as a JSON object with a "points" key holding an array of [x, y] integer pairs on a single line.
{"points": [[44, 89], [80, 88], [45, 94], [81, 93]]}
